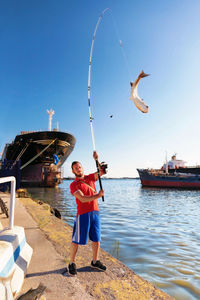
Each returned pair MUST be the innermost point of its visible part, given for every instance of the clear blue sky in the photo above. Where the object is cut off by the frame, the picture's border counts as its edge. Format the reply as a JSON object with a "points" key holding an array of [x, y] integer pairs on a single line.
{"points": [[44, 56]]}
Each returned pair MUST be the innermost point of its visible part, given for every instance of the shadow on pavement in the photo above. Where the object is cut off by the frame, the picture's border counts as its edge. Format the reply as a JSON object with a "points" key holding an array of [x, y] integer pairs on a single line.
{"points": [[58, 271]]}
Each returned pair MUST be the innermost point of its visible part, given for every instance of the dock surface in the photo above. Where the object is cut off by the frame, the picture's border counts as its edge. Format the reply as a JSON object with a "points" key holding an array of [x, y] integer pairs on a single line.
{"points": [[50, 239]]}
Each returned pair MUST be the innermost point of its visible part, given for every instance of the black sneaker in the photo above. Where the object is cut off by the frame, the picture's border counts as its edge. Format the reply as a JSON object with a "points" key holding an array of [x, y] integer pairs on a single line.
{"points": [[72, 269], [98, 265]]}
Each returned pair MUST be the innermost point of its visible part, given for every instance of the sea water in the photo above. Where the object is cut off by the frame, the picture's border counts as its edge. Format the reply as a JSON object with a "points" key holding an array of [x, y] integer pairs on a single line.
{"points": [[155, 232]]}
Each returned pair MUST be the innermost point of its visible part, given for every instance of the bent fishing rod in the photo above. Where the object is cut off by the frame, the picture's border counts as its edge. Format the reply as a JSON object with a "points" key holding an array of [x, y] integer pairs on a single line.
{"points": [[89, 81], [89, 96]]}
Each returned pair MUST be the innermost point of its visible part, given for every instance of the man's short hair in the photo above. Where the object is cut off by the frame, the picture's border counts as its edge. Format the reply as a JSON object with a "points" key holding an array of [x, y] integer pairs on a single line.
{"points": [[75, 162]]}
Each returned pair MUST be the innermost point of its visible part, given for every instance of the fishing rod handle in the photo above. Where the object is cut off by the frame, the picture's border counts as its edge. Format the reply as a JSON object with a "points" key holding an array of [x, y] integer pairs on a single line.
{"points": [[98, 171], [100, 184]]}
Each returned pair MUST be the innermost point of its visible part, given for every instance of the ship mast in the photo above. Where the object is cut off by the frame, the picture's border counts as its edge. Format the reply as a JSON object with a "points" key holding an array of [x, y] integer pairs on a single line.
{"points": [[166, 167], [50, 113]]}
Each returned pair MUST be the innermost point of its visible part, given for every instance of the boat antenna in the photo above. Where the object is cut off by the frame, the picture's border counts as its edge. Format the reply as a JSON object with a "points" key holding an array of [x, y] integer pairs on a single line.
{"points": [[89, 95]]}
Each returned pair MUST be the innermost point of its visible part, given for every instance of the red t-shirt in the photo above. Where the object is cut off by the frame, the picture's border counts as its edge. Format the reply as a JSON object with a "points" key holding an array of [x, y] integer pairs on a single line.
{"points": [[82, 185]]}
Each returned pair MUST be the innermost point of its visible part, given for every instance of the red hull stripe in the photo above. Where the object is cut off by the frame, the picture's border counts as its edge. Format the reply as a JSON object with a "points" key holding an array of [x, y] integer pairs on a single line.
{"points": [[170, 183]]}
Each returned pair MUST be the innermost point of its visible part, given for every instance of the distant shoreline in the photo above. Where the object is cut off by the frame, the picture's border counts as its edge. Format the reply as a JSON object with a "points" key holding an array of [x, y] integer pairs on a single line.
{"points": [[105, 178]]}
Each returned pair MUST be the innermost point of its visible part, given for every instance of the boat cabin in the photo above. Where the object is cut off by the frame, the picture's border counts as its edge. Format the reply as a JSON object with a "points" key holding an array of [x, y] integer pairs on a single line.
{"points": [[175, 163]]}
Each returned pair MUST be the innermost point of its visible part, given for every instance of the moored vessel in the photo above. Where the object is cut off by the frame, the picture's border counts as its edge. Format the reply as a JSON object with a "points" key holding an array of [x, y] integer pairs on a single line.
{"points": [[41, 155], [173, 174], [152, 178]]}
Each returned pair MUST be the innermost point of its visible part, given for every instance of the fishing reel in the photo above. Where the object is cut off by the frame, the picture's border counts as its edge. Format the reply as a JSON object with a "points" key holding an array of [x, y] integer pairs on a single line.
{"points": [[103, 167]]}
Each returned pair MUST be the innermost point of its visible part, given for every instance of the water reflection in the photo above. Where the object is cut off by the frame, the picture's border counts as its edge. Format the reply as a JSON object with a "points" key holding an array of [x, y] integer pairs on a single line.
{"points": [[153, 231]]}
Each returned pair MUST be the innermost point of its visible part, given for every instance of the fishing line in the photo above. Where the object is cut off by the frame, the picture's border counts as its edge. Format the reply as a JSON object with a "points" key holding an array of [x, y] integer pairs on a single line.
{"points": [[121, 44], [89, 80]]}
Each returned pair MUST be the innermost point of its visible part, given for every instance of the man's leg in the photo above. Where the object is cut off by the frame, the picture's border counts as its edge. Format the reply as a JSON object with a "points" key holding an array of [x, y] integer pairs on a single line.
{"points": [[95, 263], [95, 234], [73, 251], [95, 250], [72, 265]]}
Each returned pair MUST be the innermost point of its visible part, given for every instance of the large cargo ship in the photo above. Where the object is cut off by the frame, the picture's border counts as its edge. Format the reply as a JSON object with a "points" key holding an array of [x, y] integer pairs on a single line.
{"points": [[41, 153], [173, 174]]}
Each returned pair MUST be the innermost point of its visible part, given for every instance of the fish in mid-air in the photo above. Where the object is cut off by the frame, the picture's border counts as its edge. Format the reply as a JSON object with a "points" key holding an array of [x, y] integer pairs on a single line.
{"points": [[33, 294], [140, 104]]}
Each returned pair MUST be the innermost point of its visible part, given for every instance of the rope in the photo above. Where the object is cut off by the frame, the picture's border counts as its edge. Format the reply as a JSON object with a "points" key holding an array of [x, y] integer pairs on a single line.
{"points": [[32, 159], [21, 153]]}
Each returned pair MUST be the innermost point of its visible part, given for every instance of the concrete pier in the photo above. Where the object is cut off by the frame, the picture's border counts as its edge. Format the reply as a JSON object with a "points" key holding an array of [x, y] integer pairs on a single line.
{"points": [[50, 239]]}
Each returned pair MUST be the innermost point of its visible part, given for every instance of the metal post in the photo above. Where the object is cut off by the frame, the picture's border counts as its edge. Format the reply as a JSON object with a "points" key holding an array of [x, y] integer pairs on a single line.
{"points": [[50, 113], [12, 203], [12, 198]]}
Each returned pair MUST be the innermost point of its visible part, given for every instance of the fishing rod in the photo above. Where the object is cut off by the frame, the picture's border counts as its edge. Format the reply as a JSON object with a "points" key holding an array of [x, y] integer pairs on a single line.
{"points": [[89, 82], [89, 96]]}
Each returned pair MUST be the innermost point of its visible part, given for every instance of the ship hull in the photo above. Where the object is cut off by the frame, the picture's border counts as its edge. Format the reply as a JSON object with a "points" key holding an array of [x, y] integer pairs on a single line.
{"points": [[36, 151], [185, 181]]}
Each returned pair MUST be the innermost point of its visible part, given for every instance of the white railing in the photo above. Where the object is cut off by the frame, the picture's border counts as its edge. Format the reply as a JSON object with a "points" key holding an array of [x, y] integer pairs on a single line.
{"points": [[12, 198]]}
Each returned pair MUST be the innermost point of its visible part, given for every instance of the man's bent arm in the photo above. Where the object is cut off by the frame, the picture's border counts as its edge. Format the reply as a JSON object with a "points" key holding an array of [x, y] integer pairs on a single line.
{"points": [[80, 196]]}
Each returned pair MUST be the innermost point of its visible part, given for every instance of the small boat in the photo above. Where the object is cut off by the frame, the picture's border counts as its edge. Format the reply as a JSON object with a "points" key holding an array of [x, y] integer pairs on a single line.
{"points": [[159, 178]]}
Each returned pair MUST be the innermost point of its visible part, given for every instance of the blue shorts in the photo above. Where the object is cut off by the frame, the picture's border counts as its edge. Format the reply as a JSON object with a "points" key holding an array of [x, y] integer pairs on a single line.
{"points": [[87, 225]]}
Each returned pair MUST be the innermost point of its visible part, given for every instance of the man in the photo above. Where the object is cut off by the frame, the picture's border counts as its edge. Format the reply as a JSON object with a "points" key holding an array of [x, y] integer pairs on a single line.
{"points": [[87, 221]]}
